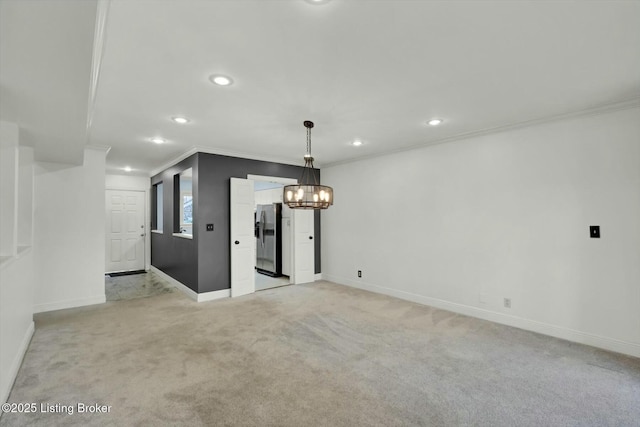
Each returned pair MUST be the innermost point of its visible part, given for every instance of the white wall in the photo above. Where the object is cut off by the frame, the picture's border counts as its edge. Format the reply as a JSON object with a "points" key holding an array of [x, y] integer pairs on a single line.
{"points": [[25, 198], [266, 197], [463, 225], [127, 182], [16, 263], [16, 317], [8, 189], [137, 183], [69, 232]]}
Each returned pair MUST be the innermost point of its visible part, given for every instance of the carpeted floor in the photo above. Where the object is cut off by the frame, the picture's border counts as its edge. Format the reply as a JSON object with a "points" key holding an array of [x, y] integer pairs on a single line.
{"points": [[313, 355]]}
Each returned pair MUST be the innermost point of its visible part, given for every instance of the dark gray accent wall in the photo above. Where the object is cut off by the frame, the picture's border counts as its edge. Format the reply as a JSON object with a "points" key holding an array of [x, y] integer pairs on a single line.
{"points": [[176, 256], [204, 262]]}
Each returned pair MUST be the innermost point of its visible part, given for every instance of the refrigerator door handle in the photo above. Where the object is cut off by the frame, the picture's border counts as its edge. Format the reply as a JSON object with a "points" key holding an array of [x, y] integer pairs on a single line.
{"points": [[263, 223]]}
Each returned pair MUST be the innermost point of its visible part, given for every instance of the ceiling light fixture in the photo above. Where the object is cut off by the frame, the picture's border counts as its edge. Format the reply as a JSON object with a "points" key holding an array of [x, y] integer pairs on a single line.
{"points": [[127, 168], [158, 140], [434, 122], [307, 194], [356, 143], [220, 80], [180, 120]]}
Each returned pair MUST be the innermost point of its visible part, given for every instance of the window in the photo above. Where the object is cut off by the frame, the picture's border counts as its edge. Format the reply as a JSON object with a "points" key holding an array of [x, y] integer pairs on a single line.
{"points": [[187, 210], [183, 196], [157, 217]]}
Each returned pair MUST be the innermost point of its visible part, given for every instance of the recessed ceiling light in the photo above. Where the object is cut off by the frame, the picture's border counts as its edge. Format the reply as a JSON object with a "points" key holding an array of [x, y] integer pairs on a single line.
{"points": [[127, 168], [317, 1], [434, 122], [220, 80], [356, 143], [181, 120], [158, 140]]}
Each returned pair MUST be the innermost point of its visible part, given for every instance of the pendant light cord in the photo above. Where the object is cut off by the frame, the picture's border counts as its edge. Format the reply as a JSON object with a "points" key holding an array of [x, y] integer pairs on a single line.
{"points": [[308, 193]]}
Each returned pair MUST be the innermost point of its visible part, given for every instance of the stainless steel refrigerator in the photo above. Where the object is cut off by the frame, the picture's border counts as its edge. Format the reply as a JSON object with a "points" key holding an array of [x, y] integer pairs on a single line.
{"points": [[269, 239]]}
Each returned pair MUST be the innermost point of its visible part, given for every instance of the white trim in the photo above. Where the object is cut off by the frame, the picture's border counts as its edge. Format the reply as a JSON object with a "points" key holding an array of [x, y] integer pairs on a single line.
{"points": [[177, 284], [175, 161], [61, 305], [21, 251], [206, 296], [147, 215], [214, 295], [276, 179], [623, 104], [157, 231], [625, 347], [17, 361], [99, 148], [318, 276], [123, 188], [183, 235], [99, 39], [223, 152], [245, 155]]}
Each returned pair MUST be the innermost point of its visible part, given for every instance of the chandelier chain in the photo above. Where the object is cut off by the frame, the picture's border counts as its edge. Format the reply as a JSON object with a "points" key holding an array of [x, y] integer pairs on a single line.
{"points": [[308, 193]]}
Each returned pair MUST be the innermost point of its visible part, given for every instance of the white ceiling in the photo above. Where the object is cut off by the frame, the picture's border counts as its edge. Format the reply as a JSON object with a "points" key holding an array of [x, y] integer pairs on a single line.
{"points": [[372, 70], [45, 70]]}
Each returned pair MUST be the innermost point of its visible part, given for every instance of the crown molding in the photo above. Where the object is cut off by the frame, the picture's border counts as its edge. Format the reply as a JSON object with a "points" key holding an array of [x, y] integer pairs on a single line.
{"points": [[99, 40], [221, 152], [95, 147], [251, 156], [172, 162], [624, 104]]}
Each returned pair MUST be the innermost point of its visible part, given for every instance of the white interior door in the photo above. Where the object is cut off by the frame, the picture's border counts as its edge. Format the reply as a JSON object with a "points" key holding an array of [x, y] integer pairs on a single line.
{"points": [[243, 243], [125, 231], [303, 270], [286, 244]]}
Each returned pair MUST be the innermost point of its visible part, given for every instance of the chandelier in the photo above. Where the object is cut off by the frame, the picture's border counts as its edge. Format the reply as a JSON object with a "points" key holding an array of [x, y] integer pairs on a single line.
{"points": [[308, 193]]}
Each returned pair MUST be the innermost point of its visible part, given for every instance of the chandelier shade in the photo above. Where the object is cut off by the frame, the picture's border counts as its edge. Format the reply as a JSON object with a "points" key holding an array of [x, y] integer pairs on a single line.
{"points": [[308, 193]]}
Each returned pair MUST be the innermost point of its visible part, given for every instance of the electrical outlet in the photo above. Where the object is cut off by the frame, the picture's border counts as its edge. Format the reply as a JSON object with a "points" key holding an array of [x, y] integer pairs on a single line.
{"points": [[209, 227], [507, 302], [359, 273]]}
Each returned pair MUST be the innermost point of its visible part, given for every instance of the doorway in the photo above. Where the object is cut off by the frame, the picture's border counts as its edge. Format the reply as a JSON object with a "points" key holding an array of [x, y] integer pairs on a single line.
{"points": [[273, 236], [243, 240], [125, 231]]}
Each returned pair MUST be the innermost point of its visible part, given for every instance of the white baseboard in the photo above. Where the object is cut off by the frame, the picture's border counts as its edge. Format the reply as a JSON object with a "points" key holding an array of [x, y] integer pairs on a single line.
{"points": [[318, 277], [214, 295], [618, 346], [61, 305], [17, 362], [205, 296]]}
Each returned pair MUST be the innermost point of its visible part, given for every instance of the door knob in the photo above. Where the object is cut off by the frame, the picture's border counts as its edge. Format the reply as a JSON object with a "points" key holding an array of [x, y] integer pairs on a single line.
{"points": [[237, 242], [310, 237]]}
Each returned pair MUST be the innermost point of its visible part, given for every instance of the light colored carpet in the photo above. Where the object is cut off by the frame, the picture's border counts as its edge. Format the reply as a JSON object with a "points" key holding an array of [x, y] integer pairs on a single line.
{"points": [[314, 355]]}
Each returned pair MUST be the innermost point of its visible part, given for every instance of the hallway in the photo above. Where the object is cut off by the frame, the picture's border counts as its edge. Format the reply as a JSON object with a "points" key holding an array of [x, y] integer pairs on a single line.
{"points": [[134, 286]]}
